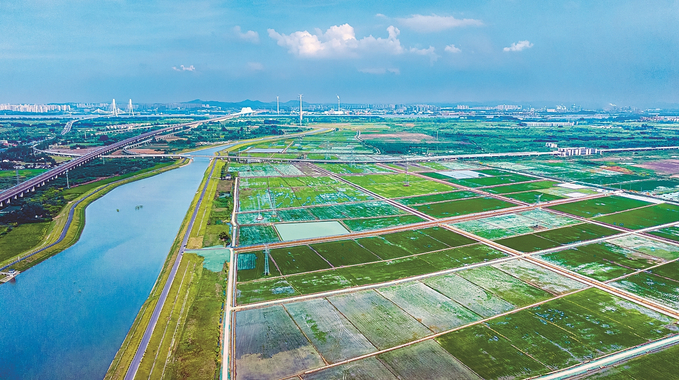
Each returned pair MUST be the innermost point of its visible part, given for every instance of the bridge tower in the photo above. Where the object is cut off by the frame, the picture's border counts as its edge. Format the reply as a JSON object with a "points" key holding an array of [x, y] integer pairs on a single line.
{"points": [[114, 108], [130, 110]]}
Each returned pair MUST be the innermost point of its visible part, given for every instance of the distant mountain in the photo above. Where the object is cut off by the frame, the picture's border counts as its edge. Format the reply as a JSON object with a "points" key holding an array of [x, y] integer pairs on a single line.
{"points": [[254, 104]]}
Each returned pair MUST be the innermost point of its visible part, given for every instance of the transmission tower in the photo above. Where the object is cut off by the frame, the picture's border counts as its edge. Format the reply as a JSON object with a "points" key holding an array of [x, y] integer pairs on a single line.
{"points": [[266, 260]]}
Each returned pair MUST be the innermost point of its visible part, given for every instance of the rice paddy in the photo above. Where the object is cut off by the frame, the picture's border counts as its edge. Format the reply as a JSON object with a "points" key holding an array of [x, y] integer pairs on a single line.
{"points": [[387, 283]]}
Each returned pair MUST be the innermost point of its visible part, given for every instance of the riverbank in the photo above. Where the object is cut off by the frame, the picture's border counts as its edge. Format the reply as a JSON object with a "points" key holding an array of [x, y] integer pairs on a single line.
{"points": [[67, 226], [127, 351]]}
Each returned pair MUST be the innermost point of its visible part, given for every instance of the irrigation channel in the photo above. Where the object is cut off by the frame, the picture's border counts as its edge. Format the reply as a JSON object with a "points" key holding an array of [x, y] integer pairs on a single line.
{"points": [[66, 317]]}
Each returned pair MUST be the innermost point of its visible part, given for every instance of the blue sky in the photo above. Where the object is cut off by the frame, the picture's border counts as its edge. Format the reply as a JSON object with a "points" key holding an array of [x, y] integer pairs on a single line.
{"points": [[591, 52]]}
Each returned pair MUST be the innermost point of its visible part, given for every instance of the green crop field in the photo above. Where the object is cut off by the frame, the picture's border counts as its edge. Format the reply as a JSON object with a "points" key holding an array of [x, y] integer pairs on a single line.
{"points": [[411, 201], [656, 365], [458, 257], [265, 290], [599, 206], [505, 286], [660, 289], [671, 233], [392, 185], [462, 207], [344, 252], [369, 224], [251, 266], [556, 237], [521, 187], [645, 217], [425, 361], [533, 197], [469, 295], [298, 259]]}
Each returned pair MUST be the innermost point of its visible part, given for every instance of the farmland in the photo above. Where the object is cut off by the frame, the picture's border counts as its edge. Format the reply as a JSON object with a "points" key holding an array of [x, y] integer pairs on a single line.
{"points": [[446, 269]]}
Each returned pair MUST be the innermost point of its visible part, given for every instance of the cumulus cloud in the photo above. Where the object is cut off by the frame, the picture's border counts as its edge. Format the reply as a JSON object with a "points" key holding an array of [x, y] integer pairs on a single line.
{"points": [[255, 66], [184, 68], [518, 46], [379, 71], [428, 52], [434, 23], [249, 36], [338, 41], [452, 49]]}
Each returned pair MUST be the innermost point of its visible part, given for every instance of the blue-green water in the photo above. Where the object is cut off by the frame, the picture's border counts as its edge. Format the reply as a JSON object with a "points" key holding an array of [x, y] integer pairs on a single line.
{"points": [[66, 317]]}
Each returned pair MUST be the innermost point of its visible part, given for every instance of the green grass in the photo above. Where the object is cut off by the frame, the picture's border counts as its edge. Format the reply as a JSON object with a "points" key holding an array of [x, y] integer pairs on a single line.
{"points": [[198, 350], [344, 252], [22, 238], [298, 259], [462, 207], [646, 217], [599, 206]]}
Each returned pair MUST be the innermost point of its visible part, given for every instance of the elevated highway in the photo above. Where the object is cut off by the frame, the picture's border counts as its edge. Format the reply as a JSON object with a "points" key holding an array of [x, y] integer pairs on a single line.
{"points": [[18, 191]]}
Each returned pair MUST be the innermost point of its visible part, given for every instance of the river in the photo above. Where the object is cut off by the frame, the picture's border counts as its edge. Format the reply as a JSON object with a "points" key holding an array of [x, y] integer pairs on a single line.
{"points": [[66, 317]]}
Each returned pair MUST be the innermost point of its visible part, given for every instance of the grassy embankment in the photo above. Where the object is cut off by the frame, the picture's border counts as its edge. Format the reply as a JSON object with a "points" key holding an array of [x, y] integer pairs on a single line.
{"points": [[27, 238], [186, 340]]}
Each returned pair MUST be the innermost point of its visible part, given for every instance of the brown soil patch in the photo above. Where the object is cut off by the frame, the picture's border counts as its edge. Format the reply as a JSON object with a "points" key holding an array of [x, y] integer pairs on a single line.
{"points": [[169, 138], [618, 169], [414, 137], [662, 166]]}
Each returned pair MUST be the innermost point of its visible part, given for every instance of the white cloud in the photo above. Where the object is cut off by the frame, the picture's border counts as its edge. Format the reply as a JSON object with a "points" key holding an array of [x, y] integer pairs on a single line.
{"points": [[184, 68], [249, 36], [518, 46], [428, 52], [255, 66], [434, 23], [379, 71], [380, 15], [452, 49], [338, 41]]}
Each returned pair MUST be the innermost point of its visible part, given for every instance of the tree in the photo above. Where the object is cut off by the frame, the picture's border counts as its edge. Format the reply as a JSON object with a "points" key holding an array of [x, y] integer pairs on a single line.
{"points": [[224, 236]]}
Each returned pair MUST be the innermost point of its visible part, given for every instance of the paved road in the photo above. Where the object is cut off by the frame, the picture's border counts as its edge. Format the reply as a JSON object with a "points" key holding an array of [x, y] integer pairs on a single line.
{"points": [[612, 359], [69, 220], [139, 355], [141, 349]]}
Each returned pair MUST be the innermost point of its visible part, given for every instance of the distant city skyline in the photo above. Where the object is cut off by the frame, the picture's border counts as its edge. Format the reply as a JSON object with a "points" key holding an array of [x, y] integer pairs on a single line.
{"points": [[589, 53]]}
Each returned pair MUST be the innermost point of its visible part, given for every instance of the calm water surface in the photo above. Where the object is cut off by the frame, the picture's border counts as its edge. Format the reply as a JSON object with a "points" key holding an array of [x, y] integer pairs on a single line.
{"points": [[66, 317]]}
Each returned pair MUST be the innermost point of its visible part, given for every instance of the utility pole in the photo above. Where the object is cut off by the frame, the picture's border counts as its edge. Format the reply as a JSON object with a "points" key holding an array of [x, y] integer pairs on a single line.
{"points": [[68, 184], [300, 110]]}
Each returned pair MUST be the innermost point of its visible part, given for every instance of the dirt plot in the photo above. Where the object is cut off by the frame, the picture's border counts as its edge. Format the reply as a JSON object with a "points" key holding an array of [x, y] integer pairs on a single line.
{"points": [[382, 322], [270, 346], [662, 166], [365, 369], [426, 361], [431, 308], [469, 295], [332, 334]]}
